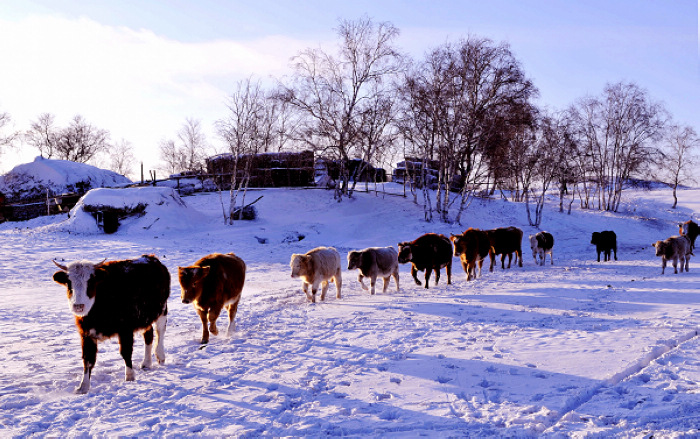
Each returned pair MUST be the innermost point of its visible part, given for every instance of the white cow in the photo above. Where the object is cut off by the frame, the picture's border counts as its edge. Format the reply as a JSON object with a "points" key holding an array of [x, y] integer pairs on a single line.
{"points": [[316, 268]]}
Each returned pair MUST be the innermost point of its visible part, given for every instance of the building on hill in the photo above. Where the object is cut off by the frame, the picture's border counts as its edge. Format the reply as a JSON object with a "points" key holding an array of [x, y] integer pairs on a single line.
{"points": [[266, 169]]}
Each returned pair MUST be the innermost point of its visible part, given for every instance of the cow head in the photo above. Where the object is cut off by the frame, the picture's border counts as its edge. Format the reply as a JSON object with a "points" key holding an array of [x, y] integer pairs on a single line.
{"points": [[458, 244], [595, 238], [192, 282], [405, 254], [81, 279], [660, 247], [300, 265], [354, 260]]}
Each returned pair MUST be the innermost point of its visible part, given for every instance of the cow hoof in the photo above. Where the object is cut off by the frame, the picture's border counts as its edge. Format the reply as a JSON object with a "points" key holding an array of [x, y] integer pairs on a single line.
{"points": [[129, 375], [146, 365], [80, 391], [204, 341]]}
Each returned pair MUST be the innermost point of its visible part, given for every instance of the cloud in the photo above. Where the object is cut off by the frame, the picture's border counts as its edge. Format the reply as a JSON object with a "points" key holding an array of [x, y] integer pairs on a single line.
{"points": [[134, 83]]}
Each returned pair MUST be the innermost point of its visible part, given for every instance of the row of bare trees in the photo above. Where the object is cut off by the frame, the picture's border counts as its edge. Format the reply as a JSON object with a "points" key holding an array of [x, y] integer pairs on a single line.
{"points": [[467, 105]]}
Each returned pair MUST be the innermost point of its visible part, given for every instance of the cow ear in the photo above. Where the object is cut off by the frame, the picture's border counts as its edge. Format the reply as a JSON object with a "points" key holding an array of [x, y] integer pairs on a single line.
{"points": [[60, 277], [204, 271]]}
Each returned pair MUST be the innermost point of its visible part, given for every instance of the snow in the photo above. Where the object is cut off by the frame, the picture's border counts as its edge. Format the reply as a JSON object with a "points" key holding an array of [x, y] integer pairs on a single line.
{"points": [[575, 349], [60, 176]]}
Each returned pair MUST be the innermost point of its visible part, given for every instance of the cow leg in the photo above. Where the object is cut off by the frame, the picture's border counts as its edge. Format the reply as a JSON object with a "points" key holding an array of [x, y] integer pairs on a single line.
{"points": [[663, 265], [615, 251], [551, 257], [386, 283], [427, 277], [232, 309], [492, 256], [396, 278], [314, 289], [675, 266], [437, 275], [148, 355], [467, 269], [212, 315], [338, 279], [687, 262], [305, 287], [449, 272], [126, 348], [161, 323], [205, 330], [324, 288], [414, 273], [372, 283], [519, 256], [89, 358], [359, 278]]}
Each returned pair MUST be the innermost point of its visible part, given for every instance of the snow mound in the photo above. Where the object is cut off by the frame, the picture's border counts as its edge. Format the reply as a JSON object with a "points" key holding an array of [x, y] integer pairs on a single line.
{"points": [[31, 180], [143, 208]]}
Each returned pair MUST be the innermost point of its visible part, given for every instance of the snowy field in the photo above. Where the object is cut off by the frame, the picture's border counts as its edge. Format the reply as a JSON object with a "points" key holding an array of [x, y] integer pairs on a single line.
{"points": [[575, 349]]}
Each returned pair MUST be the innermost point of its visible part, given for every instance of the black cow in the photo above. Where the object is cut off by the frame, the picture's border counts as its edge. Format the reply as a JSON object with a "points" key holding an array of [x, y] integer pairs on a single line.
{"points": [[605, 242], [430, 252], [505, 241], [690, 229], [117, 298]]}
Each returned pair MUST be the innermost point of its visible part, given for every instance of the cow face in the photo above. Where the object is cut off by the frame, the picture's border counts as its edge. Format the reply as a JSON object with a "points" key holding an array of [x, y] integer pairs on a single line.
{"points": [[684, 227], [192, 282], [405, 254], [595, 238], [81, 279], [534, 244], [300, 265], [459, 244], [354, 260], [660, 247]]}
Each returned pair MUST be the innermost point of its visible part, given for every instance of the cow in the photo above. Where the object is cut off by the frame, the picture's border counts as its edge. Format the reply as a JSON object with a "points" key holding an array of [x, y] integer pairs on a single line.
{"points": [[375, 262], [691, 230], [674, 248], [505, 241], [212, 283], [605, 242], [429, 252], [472, 247], [318, 267], [117, 298], [541, 244]]}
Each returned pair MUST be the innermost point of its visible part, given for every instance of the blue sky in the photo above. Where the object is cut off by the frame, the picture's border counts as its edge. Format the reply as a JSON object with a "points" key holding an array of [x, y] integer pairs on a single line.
{"points": [[139, 68]]}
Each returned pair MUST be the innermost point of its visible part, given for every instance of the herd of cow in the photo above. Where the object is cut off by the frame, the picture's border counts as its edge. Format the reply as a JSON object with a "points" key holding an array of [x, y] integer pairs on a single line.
{"points": [[119, 298]]}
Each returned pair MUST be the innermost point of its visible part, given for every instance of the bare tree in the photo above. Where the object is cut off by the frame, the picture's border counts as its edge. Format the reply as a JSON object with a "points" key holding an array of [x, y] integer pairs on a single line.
{"points": [[681, 159], [332, 91], [43, 135], [618, 132], [7, 137], [80, 141], [247, 130], [121, 158], [464, 101], [171, 157], [192, 144]]}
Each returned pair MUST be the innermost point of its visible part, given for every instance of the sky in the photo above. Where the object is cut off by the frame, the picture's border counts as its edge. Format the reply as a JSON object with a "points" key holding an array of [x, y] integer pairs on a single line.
{"points": [[140, 68]]}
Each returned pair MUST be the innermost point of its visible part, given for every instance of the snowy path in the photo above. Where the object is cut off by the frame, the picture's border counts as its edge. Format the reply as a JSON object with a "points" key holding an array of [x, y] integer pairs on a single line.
{"points": [[576, 348]]}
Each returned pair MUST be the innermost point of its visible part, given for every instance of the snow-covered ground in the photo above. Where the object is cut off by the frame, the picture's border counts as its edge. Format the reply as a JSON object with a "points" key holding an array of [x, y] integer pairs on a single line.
{"points": [[578, 348]]}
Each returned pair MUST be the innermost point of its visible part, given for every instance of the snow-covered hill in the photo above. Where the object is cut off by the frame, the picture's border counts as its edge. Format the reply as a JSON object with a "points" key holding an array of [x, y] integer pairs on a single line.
{"points": [[33, 179], [579, 348]]}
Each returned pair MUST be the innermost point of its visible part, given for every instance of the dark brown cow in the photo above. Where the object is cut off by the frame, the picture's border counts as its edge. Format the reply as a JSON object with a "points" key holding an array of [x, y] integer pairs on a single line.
{"points": [[505, 241], [472, 247], [691, 230], [117, 298], [605, 242], [429, 252], [212, 283]]}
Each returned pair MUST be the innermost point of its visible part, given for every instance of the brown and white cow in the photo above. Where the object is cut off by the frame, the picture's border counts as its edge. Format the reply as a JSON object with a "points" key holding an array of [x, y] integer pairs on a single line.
{"points": [[541, 244], [690, 229], [674, 249], [472, 247], [212, 283], [605, 242], [429, 252], [316, 268], [117, 298], [505, 241], [375, 262]]}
